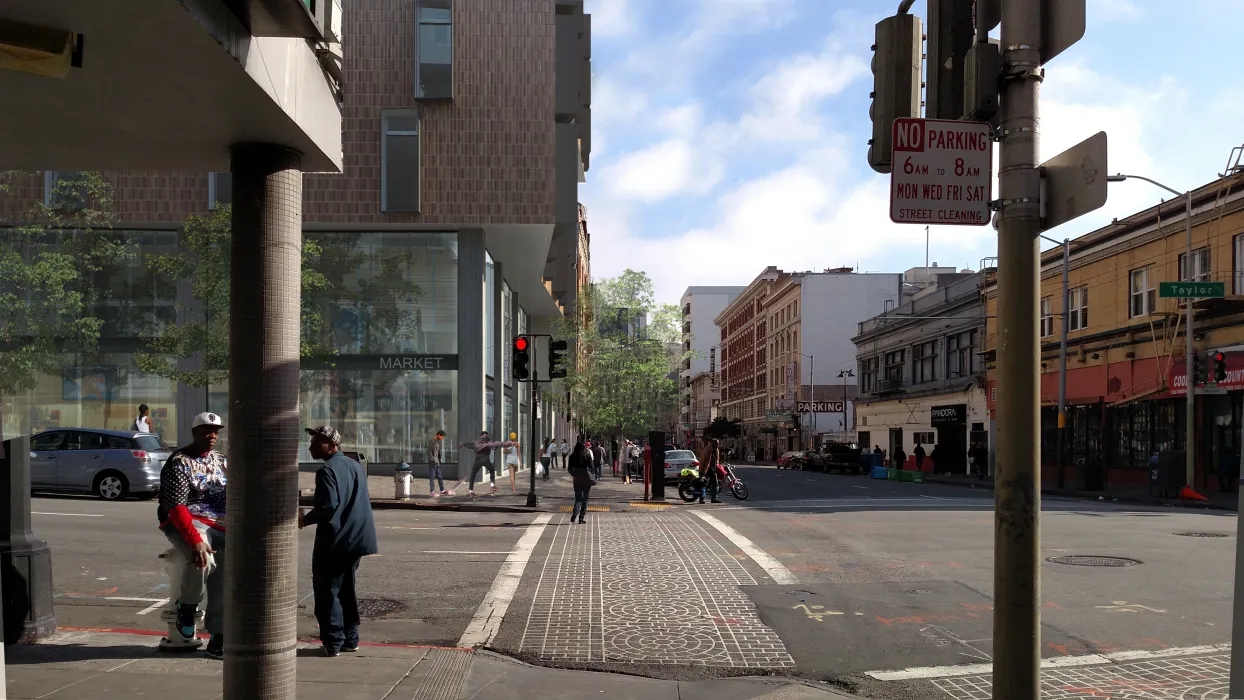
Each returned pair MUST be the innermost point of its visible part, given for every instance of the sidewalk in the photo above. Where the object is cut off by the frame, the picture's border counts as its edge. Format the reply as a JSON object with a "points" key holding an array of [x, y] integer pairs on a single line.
{"points": [[1122, 494], [554, 495], [95, 665]]}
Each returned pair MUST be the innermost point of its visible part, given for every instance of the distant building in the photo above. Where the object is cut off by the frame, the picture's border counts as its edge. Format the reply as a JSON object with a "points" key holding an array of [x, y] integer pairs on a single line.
{"points": [[920, 373], [786, 334], [700, 305]]}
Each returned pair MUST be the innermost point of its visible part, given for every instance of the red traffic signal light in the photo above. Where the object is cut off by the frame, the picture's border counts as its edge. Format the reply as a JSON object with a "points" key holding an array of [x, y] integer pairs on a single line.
{"points": [[520, 343], [1219, 357]]}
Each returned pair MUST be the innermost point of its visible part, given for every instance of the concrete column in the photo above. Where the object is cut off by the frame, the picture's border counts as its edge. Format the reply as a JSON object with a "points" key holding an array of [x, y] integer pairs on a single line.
{"points": [[470, 341], [500, 346], [261, 557], [25, 560]]}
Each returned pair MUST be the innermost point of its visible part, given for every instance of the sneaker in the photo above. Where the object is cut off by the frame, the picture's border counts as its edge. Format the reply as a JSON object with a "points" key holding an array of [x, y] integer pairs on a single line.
{"points": [[350, 647], [434, 494], [216, 647], [445, 492], [331, 652], [186, 620]]}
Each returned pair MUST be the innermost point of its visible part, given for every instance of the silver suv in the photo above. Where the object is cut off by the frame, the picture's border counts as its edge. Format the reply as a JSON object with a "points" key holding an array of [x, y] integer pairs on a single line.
{"points": [[111, 464]]}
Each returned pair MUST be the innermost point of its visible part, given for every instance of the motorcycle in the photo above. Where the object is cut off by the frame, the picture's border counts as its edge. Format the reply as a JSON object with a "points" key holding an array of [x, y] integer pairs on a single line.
{"points": [[690, 484]]}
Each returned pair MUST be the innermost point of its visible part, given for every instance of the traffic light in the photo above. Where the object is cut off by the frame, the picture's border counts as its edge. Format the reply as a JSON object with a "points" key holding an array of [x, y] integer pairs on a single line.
{"points": [[521, 366], [897, 64], [1220, 367], [951, 33], [557, 359], [1200, 373]]}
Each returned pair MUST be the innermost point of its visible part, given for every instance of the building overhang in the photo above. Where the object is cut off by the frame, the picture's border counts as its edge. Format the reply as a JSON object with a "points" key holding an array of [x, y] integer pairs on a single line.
{"points": [[168, 85]]}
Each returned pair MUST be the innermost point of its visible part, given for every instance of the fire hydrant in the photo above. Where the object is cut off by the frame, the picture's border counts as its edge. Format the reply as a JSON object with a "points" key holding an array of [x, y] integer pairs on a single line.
{"points": [[402, 479]]}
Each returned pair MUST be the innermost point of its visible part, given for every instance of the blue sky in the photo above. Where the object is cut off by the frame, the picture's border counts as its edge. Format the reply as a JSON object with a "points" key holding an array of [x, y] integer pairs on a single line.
{"points": [[731, 134]]}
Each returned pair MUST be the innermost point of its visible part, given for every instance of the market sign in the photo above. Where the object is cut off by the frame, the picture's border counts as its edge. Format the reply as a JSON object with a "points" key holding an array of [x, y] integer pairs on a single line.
{"points": [[942, 172], [1192, 290]]}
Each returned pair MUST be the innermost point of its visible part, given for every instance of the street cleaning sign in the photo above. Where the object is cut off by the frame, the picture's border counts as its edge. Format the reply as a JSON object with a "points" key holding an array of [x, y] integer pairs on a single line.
{"points": [[1193, 290], [942, 172]]}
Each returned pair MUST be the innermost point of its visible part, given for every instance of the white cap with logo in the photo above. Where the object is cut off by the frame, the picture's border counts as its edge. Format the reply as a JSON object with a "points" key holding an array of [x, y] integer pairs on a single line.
{"points": [[207, 419]]}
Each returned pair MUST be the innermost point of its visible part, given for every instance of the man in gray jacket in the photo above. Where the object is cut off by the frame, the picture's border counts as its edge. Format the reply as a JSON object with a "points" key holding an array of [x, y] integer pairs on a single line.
{"points": [[435, 455]]}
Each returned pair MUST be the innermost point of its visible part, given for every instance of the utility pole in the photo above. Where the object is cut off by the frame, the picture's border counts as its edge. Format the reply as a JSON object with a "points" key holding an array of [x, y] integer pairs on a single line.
{"points": [[1017, 508]]}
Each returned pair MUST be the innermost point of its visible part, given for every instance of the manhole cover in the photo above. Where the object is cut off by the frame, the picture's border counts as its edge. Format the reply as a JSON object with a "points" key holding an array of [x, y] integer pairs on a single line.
{"points": [[916, 591], [1201, 534], [372, 608], [1085, 560]]}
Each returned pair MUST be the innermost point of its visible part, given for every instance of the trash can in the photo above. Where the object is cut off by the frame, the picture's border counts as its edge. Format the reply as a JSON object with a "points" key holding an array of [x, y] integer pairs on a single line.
{"points": [[402, 480], [1167, 473]]}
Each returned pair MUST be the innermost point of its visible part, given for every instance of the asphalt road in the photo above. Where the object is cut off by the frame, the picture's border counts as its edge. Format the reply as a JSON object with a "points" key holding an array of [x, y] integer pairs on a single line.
{"points": [[849, 574]]}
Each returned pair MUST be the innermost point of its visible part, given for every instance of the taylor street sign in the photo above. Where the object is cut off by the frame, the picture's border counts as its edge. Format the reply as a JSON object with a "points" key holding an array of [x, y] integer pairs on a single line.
{"points": [[1211, 391], [1073, 183], [941, 173], [1194, 290], [821, 407]]}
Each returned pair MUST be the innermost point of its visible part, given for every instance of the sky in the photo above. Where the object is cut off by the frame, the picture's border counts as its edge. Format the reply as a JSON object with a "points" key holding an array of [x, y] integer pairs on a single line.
{"points": [[729, 135]]}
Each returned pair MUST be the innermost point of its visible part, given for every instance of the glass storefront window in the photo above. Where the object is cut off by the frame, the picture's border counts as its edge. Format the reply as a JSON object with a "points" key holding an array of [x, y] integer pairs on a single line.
{"points": [[507, 322], [490, 412], [490, 314], [508, 418]]}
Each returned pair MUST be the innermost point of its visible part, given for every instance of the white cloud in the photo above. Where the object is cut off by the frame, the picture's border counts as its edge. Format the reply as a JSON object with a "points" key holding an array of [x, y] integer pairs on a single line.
{"points": [[661, 171], [785, 103]]}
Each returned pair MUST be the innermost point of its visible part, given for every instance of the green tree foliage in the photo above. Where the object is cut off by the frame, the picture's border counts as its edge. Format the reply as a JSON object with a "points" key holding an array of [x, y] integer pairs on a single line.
{"points": [[623, 377], [55, 264], [723, 427]]}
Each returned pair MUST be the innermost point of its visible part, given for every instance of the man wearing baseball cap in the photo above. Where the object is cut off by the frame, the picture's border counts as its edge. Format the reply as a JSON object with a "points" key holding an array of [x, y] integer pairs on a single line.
{"points": [[345, 532], [192, 516]]}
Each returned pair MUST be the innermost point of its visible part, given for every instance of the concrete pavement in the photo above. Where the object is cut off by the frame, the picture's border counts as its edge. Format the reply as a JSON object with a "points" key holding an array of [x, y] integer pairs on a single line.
{"points": [[92, 665]]}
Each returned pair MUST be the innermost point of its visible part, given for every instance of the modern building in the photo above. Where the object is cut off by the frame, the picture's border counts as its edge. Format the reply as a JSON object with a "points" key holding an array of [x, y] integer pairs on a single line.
{"points": [[921, 376], [786, 334], [700, 336], [705, 399], [454, 225], [1126, 378]]}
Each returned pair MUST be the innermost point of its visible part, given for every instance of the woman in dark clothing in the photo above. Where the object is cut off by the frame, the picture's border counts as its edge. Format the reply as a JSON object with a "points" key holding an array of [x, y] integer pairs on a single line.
{"points": [[709, 470], [581, 471]]}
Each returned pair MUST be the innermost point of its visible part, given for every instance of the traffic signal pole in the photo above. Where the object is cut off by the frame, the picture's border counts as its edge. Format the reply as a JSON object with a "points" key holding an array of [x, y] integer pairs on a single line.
{"points": [[1016, 626]]}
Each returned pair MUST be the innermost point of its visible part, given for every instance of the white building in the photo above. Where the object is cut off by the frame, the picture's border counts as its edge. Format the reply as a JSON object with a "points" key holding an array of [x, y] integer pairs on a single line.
{"points": [[700, 336]]}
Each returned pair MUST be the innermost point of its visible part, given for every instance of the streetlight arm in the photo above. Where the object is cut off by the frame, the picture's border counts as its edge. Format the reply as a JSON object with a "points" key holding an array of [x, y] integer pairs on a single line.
{"points": [[1121, 177]]}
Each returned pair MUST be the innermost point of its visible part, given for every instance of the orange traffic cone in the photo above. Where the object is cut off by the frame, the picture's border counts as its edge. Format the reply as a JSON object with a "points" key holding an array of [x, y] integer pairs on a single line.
{"points": [[1190, 494]]}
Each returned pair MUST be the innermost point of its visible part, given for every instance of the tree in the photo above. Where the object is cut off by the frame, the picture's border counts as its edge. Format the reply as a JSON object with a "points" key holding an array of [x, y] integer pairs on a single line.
{"points": [[624, 379], [666, 323], [56, 264]]}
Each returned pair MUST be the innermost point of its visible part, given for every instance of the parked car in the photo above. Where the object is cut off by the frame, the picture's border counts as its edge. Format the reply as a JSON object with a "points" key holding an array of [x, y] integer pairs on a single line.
{"points": [[840, 457], [111, 464], [678, 460], [783, 461]]}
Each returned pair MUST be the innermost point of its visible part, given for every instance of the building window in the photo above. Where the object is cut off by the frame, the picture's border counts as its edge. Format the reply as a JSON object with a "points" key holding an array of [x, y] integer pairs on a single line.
{"points": [[434, 67], [1200, 266], [868, 374], [1047, 318], [65, 189], [219, 189], [959, 354], [507, 322], [1144, 298], [929, 438], [894, 367], [924, 362], [490, 314], [1238, 245], [399, 161], [1077, 315]]}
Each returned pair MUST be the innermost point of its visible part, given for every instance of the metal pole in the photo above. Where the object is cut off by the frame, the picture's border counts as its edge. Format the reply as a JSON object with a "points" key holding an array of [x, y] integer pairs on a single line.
{"points": [[1190, 381], [1062, 367], [812, 381], [1236, 689], [532, 501], [1017, 505]]}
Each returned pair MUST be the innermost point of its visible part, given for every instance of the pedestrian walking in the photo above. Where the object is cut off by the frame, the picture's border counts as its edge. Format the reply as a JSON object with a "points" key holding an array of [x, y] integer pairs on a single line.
{"points": [[598, 459], [192, 516], [142, 424], [919, 452], [710, 476], [614, 455], [512, 461], [435, 455], [548, 456], [934, 457], [898, 458], [345, 532], [564, 450], [483, 449], [581, 468]]}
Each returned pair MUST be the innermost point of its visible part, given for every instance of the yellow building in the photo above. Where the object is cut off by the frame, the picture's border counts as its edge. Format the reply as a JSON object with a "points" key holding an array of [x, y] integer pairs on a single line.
{"points": [[1126, 359]]}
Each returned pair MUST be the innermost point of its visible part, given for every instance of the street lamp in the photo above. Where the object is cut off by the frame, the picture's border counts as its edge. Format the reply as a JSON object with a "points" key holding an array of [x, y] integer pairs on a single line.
{"points": [[843, 375], [1062, 363], [1189, 419]]}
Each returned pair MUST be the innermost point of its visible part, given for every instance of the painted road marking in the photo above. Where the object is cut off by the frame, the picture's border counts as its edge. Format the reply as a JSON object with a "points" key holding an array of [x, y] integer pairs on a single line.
{"points": [[71, 515], [774, 568], [450, 551], [909, 674], [156, 605], [487, 619]]}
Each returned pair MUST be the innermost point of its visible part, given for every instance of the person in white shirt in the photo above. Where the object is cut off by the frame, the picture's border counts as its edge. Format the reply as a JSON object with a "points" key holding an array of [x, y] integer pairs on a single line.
{"points": [[143, 423], [550, 451]]}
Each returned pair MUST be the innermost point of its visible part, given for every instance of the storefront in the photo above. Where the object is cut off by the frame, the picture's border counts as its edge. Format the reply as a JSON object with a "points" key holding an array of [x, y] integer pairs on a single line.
{"points": [[950, 423]]}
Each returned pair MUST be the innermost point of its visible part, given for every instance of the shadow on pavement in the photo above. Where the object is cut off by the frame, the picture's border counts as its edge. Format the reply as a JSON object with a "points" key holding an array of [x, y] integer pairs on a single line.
{"points": [[33, 654]]}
